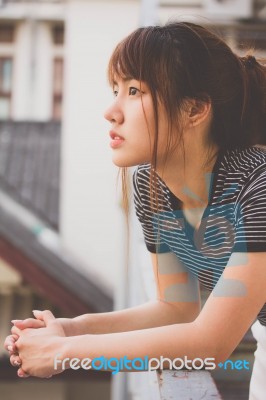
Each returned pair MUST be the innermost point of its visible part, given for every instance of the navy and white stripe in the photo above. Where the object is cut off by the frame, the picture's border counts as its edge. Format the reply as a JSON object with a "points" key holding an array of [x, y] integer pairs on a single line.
{"points": [[233, 221]]}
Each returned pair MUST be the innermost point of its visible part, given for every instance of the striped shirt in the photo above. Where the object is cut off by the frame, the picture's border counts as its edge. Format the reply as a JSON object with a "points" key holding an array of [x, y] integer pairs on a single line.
{"points": [[233, 221]]}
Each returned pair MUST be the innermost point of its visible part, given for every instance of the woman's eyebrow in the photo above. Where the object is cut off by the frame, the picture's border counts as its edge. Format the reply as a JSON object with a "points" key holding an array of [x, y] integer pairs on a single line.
{"points": [[115, 83], [125, 79]]}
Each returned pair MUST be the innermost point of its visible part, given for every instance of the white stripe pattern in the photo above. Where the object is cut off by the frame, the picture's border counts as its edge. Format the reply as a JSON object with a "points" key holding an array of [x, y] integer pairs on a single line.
{"points": [[233, 221]]}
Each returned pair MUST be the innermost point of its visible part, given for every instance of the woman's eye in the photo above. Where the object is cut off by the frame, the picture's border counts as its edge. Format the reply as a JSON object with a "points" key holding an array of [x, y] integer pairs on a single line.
{"points": [[133, 91]]}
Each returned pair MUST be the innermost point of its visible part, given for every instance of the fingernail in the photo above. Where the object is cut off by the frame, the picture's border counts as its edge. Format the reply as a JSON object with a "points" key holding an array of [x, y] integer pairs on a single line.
{"points": [[34, 311], [10, 348], [17, 363], [16, 320]]}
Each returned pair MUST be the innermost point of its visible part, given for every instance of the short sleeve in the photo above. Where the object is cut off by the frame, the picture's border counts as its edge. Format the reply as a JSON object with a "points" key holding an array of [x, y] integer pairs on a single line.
{"points": [[250, 235], [141, 182]]}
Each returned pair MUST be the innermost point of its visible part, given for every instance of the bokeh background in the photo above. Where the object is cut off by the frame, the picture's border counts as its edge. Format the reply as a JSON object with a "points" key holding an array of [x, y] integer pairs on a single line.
{"points": [[63, 239]]}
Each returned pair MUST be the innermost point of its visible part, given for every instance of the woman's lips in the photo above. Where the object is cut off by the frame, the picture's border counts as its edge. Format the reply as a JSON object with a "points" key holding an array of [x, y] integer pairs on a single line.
{"points": [[116, 140]]}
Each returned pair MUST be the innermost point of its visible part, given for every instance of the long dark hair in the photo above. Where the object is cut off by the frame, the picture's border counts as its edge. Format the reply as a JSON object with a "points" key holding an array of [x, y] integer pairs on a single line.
{"points": [[182, 61]]}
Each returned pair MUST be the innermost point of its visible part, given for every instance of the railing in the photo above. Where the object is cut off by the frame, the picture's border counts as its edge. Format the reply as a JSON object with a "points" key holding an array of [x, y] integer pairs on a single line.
{"points": [[170, 385], [187, 385]]}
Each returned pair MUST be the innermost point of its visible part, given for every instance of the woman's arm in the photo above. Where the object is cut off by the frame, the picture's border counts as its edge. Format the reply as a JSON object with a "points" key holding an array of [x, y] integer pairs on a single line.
{"points": [[178, 301], [229, 311]]}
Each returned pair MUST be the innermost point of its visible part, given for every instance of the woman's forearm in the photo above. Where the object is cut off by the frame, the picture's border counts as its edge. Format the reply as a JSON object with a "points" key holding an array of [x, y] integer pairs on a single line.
{"points": [[149, 315], [172, 341]]}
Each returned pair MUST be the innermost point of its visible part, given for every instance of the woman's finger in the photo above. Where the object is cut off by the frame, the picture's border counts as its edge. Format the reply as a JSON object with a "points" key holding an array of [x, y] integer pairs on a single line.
{"points": [[15, 330], [10, 343], [22, 374], [28, 323], [15, 360], [47, 316]]}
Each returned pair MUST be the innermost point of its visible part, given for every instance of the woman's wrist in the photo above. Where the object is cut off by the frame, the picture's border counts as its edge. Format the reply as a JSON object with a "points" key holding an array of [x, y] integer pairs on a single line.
{"points": [[67, 325], [63, 356], [73, 326], [82, 325], [73, 355]]}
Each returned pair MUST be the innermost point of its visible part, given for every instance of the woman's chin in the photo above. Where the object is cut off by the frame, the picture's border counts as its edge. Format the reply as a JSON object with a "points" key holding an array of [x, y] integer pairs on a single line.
{"points": [[120, 162]]}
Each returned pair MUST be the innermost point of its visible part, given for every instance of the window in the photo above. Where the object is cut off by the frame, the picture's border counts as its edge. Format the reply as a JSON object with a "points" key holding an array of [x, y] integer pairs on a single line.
{"points": [[5, 87], [6, 33], [58, 88], [58, 34]]}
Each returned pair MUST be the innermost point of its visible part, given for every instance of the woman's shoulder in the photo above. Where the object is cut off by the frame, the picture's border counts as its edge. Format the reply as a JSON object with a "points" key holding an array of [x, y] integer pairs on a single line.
{"points": [[245, 161]]}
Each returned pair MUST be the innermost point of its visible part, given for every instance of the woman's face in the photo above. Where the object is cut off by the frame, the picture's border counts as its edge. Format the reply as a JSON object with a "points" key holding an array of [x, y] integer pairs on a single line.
{"points": [[132, 123]]}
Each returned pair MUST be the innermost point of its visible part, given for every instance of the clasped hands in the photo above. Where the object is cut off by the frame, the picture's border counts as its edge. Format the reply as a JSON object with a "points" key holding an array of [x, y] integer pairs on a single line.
{"points": [[33, 344]]}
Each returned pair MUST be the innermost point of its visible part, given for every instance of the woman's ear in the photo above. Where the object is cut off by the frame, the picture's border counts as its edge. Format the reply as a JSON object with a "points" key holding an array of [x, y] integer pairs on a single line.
{"points": [[199, 111]]}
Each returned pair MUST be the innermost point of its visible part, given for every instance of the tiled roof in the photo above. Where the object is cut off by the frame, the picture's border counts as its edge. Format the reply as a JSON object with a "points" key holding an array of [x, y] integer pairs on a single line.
{"points": [[30, 166]]}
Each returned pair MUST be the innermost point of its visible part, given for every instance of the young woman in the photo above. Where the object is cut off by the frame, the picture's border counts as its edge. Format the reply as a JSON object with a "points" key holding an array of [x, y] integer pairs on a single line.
{"points": [[191, 114]]}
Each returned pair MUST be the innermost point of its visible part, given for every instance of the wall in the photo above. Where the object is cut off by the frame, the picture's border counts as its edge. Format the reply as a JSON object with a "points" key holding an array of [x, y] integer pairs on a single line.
{"points": [[91, 219]]}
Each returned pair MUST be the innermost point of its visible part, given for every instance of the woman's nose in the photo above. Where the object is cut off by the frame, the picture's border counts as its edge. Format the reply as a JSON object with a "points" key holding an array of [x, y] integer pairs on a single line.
{"points": [[114, 114]]}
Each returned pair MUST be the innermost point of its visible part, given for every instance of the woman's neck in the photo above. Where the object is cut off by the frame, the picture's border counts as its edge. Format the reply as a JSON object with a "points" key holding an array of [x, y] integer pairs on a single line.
{"points": [[189, 177]]}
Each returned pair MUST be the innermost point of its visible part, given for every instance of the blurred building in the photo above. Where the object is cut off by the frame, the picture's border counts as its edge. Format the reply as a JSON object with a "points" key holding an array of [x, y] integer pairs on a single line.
{"points": [[62, 235], [37, 270]]}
